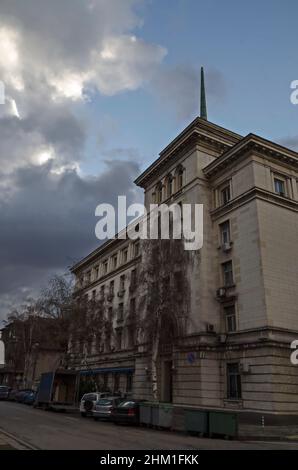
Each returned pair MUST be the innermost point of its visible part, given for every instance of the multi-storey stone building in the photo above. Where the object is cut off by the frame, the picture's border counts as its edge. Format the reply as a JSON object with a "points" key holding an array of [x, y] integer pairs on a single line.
{"points": [[234, 349]]}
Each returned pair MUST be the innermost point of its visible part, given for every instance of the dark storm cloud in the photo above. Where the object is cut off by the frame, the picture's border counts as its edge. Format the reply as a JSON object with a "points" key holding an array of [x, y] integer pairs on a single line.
{"points": [[48, 222], [54, 55]]}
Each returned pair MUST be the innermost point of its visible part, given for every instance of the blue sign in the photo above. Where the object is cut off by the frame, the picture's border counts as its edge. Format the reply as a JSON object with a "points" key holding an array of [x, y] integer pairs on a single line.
{"points": [[191, 357]]}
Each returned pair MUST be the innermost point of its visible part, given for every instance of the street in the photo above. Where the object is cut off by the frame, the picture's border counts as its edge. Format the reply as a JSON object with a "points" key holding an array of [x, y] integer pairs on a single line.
{"points": [[49, 430]]}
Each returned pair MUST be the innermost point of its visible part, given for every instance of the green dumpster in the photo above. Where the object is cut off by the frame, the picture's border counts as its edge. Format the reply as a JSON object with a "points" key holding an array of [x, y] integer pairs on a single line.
{"points": [[223, 423], [145, 413], [196, 421], [162, 415]]}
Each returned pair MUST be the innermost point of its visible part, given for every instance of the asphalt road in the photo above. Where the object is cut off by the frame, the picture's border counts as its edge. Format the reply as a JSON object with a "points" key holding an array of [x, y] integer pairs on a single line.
{"points": [[50, 430]]}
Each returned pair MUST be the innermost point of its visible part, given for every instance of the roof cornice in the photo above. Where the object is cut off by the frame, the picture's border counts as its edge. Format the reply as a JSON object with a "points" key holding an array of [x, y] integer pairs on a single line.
{"points": [[252, 142], [198, 131]]}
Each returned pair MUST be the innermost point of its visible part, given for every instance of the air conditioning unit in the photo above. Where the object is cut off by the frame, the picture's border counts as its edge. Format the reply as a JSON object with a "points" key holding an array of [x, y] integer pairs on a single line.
{"points": [[222, 338], [244, 368], [221, 293], [226, 246], [210, 328]]}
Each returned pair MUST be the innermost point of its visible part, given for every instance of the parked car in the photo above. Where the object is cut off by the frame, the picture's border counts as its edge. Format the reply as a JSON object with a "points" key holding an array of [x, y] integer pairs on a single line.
{"points": [[128, 411], [29, 398], [4, 392], [12, 394], [89, 400], [104, 407], [20, 395]]}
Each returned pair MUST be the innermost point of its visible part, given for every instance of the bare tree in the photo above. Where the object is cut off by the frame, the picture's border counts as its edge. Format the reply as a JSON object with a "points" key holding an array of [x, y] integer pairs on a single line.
{"points": [[165, 297]]}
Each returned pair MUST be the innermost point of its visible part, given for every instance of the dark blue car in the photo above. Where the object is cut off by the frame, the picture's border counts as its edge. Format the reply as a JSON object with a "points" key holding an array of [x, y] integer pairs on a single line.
{"points": [[29, 398]]}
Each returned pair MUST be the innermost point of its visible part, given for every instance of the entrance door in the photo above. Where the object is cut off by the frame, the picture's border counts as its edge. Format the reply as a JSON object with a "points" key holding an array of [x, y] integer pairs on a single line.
{"points": [[167, 382]]}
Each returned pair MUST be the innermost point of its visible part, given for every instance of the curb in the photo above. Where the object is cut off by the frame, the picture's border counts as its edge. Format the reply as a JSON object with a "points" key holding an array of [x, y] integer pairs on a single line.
{"points": [[15, 442]]}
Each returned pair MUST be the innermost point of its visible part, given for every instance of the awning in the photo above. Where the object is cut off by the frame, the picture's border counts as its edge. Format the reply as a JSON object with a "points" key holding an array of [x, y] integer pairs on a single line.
{"points": [[115, 370]]}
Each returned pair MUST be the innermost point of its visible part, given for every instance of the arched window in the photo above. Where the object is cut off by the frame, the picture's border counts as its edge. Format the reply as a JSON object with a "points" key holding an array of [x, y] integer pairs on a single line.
{"points": [[158, 193], [170, 185], [179, 177]]}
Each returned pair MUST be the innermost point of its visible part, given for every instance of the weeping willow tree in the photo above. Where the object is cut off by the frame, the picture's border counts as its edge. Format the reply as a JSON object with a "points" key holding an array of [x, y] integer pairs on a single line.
{"points": [[164, 300]]}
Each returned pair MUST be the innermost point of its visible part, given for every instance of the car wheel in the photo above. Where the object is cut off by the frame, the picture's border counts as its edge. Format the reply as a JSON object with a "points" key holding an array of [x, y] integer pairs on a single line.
{"points": [[84, 415], [95, 419]]}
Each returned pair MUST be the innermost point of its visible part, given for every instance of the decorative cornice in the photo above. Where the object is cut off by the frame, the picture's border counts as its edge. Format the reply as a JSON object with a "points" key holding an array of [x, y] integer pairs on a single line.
{"points": [[254, 193], [199, 131], [251, 143]]}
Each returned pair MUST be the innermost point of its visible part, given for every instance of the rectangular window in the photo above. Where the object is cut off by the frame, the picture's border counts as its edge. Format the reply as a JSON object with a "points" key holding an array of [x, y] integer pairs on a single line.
{"points": [[88, 277], [102, 291], [225, 232], [227, 271], [124, 256], [129, 378], [96, 272], [112, 284], [133, 278], [116, 383], [230, 317], [105, 267], [279, 187], [225, 195], [131, 331], [136, 249], [114, 261], [120, 312], [119, 339], [122, 282], [233, 381]]}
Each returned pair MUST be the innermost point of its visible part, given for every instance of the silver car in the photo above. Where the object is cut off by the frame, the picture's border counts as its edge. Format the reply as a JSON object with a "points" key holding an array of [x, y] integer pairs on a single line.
{"points": [[104, 407], [89, 400]]}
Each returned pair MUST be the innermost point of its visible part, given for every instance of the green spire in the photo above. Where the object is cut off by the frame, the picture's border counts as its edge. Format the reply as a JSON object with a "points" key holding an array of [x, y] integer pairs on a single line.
{"points": [[203, 105]]}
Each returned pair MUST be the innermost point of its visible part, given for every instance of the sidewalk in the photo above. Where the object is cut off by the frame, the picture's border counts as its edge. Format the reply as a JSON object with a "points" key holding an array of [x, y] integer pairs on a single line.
{"points": [[9, 442]]}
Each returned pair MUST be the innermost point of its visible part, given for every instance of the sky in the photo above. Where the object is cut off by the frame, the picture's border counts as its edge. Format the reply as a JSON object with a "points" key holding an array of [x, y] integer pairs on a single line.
{"points": [[95, 89]]}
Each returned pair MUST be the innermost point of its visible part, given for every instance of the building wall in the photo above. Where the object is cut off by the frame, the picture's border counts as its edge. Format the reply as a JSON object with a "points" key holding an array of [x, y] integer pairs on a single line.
{"points": [[263, 231]]}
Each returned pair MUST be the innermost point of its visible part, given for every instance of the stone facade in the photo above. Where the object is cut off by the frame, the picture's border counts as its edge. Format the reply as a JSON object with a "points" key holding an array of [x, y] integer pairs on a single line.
{"points": [[234, 352]]}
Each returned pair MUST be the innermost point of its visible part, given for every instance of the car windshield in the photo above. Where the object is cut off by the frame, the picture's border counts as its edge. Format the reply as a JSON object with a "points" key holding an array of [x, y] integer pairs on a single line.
{"points": [[104, 402], [3, 387]]}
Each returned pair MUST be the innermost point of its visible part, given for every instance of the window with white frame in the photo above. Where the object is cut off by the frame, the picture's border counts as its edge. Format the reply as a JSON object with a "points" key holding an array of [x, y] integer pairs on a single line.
{"points": [[233, 381], [230, 318], [280, 186], [124, 256], [225, 194], [158, 193], [114, 261], [225, 236], [122, 282], [179, 177], [111, 289], [105, 267], [227, 273], [136, 249]]}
